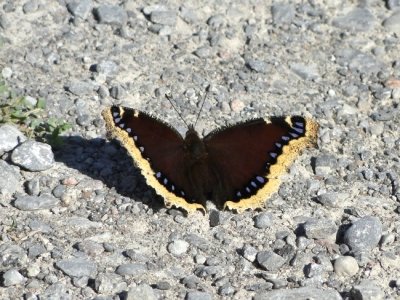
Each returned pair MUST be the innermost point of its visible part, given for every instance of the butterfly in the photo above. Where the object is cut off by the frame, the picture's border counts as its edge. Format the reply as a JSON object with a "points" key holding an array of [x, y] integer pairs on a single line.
{"points": [[237, 167]]}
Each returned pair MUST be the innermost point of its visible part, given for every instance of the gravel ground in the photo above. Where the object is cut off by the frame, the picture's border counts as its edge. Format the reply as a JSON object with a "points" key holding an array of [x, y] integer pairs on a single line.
{"points": [[79, 222]]}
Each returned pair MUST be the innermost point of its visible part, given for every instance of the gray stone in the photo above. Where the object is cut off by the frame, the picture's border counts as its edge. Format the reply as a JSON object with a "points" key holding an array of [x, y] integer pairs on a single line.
{"points": [[142, 292], [80, 88], [216, 21], [359, 19], [215, 217], [56, 291], [9, 179], [324, 164], [12, 277], [269, 260], [367, 290], [364, 234], [111, 14], [393, 23], [282, 13], [299, 294], [263, 220], [147, 10], [256, 65], [30, 203], [6, 72], [163, 285], [91, 248], [393, 4], [36, 250], [12, 254], [30, 6], [77, 267], [332, 199], [133, 269], [81, 8], [178, 247], [197, 295], [33, 156], [166, 17], [305, 72], [358, 61], [107, 67], [249, 253], [346, 266], [319, 228], [203, 52], [109, 283], [10, 137]]}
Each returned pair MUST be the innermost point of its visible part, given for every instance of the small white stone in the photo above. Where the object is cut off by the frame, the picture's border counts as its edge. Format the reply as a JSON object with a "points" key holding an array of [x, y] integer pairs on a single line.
{"points": [[346, 266], [178, 247], [6, 72]]}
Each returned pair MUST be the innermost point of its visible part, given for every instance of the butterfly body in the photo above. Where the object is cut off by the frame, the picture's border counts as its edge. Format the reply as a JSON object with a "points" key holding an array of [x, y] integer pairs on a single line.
{"points": [[236, 167]]}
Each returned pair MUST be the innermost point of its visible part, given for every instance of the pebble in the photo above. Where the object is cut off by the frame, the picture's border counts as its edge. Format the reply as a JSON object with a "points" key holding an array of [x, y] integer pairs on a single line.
{"points": [[109, 283], [305, 72], [346, 266], [249, 252], [111, 14], [91, 248], [132, 269], [81, 8], [10, 137], [77, 267], [80, 88], [367, 290], [142, 292], [319, 228], [257, 65], [178, 247], [269, 260], [393, 23], [33, 156], [299, 293], [282, 13], [10, 179], [163, 285], [163, 17], [359, 19], [30, 6], [30, 203], [197, 295], [263, 220], [215, 217], [12, 277], [333, 199], [6, 73], [324, 164], [107, 67], [364, 234]]}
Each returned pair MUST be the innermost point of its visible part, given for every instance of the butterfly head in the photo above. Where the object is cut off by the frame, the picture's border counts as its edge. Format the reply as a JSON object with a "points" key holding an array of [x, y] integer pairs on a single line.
{"points": [[193, 145]]}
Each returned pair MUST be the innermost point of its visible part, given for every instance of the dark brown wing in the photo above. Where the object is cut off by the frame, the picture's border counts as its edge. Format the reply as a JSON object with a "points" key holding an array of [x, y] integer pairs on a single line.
{"points": [[251, 156], [157, 150]]}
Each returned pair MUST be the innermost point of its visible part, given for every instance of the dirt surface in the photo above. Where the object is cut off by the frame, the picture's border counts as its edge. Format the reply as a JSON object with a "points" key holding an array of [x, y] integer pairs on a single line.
{"points": [[99, 232]]}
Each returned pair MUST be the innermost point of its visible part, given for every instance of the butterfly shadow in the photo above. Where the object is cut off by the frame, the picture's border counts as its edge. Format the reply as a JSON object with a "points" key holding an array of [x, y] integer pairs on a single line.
{"points": [[109, 163]]}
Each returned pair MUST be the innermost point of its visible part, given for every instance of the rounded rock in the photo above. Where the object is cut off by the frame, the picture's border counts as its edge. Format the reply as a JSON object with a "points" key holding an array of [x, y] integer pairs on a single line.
{"points": [[178, 247], [12, 277], [346, 266], [364, 234], [33, 156]]}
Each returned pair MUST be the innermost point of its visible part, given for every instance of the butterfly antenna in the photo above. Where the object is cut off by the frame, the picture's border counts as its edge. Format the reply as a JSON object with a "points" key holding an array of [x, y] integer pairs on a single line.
{"points": [[201, 108], [173, 105]]}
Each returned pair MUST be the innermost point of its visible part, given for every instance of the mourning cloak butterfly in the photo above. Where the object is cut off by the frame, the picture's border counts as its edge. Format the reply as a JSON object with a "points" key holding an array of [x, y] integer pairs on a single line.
{"points": [[236, 167]]}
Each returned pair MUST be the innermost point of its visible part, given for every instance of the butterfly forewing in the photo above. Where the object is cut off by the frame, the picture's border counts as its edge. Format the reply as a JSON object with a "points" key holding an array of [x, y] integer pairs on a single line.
{"points": [[158, 143]]}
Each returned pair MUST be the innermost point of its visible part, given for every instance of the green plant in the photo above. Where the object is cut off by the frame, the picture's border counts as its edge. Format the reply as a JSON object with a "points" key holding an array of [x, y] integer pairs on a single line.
{"points": [[31, 119]]}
